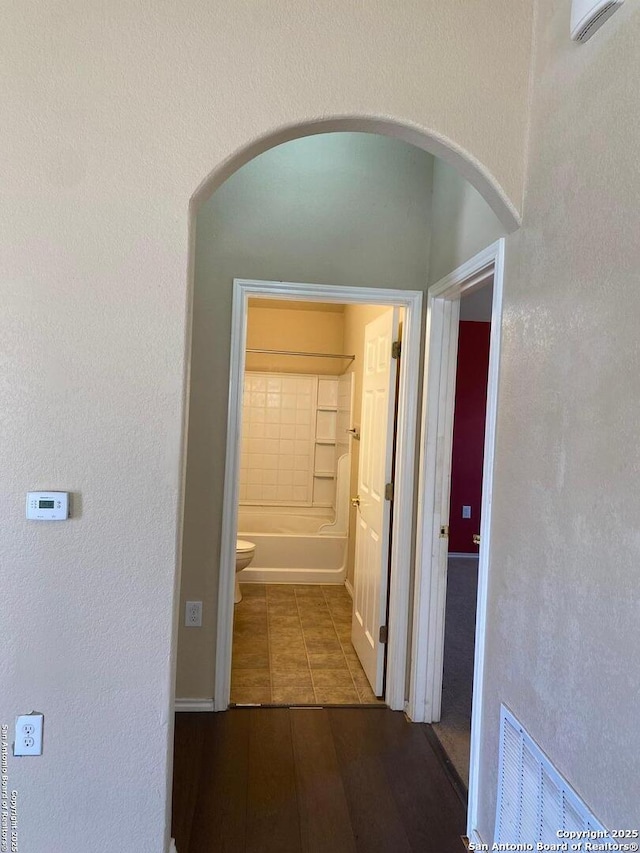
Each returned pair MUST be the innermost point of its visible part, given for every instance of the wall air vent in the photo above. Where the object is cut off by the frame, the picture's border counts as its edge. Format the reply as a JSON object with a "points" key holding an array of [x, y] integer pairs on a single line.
{"points": [[534, 801], [587, 16]]}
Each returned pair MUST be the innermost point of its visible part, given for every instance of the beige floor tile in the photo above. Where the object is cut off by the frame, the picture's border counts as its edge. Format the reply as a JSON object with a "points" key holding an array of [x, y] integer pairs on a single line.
{"points": [[323, 645], [334, 686], [250, 659], [253, 590], [327, 660], [290, 660], [250, 686], [292, 688], [280, 590], [365, 693]]}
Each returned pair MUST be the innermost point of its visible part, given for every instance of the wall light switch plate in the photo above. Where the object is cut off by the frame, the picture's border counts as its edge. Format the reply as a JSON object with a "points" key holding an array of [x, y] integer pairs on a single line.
{"points": [[29, 731], [193, 614], [466, 512]]}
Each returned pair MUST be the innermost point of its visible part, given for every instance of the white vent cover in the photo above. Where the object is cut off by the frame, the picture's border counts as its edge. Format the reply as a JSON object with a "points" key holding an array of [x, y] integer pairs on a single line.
{"points": [[534, 801], [587, 16]]}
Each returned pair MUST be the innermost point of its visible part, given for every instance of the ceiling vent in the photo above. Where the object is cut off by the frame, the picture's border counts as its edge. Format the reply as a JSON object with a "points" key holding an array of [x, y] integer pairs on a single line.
{"points": [[587, 16]]}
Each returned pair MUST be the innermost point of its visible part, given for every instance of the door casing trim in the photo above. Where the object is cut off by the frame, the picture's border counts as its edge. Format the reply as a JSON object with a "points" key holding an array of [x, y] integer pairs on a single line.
{"points": [[441, 345], [406, 471]]}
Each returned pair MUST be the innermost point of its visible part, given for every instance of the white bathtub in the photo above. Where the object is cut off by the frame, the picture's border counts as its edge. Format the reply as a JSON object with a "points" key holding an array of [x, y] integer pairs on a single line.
{"points": [[290, 547]]}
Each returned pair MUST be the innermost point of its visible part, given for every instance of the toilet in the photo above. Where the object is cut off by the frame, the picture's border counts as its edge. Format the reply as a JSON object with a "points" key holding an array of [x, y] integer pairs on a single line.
{"points": [[245, 552]]}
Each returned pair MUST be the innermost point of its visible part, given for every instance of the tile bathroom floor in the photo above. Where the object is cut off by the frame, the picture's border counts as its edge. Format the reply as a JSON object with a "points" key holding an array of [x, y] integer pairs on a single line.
{"points": [[292, 646]]}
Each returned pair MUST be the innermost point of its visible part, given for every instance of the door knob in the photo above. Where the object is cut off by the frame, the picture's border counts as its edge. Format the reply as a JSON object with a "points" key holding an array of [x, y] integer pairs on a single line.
{"points": [[355, 501], [476, 538]]}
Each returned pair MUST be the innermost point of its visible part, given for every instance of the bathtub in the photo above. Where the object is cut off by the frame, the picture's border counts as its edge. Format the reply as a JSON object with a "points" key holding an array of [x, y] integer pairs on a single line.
{"points": [[290, 547]]}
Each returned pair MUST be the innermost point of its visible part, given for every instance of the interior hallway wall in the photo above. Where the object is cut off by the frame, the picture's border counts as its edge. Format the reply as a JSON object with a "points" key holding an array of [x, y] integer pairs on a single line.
{"points": [[563, 644], [349, 209], [112, 116]]}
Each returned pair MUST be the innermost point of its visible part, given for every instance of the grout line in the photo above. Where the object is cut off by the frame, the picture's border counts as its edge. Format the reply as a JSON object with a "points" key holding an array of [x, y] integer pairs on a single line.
{"points": [[355, 686], [306, 650]]}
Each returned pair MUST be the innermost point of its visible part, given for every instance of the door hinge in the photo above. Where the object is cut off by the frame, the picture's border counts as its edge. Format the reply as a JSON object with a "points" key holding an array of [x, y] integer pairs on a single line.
{"points": [[388, 492], [444, 531], [396, 349], [382, 636]]}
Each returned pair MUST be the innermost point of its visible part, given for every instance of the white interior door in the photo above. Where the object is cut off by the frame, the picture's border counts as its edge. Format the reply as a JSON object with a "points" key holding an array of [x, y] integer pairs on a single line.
{"points": [[375, 466]]}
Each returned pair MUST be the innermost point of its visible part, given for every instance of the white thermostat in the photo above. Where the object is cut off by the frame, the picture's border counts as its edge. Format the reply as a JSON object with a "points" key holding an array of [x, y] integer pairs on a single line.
{"points": [[48, 506]]}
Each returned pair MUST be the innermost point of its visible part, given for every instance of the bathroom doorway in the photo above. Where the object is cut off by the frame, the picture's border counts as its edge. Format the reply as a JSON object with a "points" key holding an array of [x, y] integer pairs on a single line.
{"points": [[287, 497]]}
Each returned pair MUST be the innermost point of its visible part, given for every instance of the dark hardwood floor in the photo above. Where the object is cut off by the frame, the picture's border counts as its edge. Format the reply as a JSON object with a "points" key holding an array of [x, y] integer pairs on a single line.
{"points": [[317, 780]]}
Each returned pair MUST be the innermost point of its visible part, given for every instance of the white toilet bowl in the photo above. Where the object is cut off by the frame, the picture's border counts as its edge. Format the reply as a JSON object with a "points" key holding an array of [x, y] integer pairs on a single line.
{"points": [[245, 552]]}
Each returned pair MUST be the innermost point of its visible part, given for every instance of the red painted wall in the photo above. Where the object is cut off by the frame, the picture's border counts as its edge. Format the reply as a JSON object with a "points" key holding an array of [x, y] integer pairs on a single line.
{"points": [[468, 434]]}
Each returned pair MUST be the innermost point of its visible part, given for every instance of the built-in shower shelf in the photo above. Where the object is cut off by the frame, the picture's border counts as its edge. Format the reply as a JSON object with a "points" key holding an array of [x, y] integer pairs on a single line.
{"points": [[324, 475], [325, 441], [327, 408]]}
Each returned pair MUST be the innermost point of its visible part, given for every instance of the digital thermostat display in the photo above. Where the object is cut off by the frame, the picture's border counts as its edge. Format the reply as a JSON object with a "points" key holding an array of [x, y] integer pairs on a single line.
{"points": [[48, 506]]}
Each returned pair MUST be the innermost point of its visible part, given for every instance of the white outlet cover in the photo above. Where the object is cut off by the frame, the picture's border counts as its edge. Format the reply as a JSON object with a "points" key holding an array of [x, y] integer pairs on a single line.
{"points": [[193, 614], [29, 731]]}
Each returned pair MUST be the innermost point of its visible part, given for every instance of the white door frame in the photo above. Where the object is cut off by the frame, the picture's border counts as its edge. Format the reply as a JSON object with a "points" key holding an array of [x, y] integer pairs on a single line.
{"points": [[411, 301], [443, 311]]}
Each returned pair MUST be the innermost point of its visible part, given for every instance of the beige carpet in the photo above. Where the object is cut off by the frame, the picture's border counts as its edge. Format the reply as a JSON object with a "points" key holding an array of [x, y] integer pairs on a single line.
{"points": [[454, 728]]}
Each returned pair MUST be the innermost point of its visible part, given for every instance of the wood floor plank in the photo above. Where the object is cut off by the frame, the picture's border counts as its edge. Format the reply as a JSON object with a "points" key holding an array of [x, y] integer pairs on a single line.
{"points": [[432, 814], [187, 756], [325, 824], [220, 816], [273, 824], [376, 821]]}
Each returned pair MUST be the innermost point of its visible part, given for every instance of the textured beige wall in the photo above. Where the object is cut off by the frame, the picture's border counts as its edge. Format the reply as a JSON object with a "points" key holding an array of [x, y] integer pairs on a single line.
{"points": [[463, 222], [112, 115], [563, 646], [350, 209], [297, 331]]}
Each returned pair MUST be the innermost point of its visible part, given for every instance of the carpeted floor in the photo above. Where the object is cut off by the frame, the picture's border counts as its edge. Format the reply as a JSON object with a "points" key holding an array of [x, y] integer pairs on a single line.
{"points": [[454, 728]]}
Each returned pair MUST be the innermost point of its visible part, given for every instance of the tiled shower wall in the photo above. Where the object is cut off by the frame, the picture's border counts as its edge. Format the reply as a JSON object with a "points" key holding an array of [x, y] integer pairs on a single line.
{"points": [[278, 434]]}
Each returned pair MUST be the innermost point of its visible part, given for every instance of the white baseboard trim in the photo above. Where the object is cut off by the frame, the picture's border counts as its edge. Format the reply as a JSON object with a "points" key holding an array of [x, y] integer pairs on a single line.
{"points": [[193, 705], [172, 846], [460, 556], [349, 587]]}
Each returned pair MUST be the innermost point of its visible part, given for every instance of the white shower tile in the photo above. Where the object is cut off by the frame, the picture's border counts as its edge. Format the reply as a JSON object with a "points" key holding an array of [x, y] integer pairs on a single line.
{"points": [[270, 462], [303, 401], [302, 432], [271, 416], [274, 383], [286, 462], [289, 415], [301, 447], [300, 493], [256, 430], [286, 446], [288, 431], [255, 477], [270, 477], [254, 493], [271, 445], [243, 493], [269, 493], [300, 478], [303, 416], [285, 478], [260, 383], [289, 385], [284, 493], [273, 401], [272, 430], [243, 476], [255, 460], [258, 399], [301, 463], [257, 416], [288, 401]]}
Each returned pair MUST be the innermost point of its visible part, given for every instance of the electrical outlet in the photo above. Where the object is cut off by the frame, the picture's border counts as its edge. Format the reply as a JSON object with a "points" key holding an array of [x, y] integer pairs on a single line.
{"points": [[29, 730], [193, 614]]}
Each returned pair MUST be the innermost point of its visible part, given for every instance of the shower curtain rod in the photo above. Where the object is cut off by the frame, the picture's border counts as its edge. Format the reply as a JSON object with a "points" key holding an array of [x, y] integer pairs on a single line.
{"points": [[305, 354]]}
